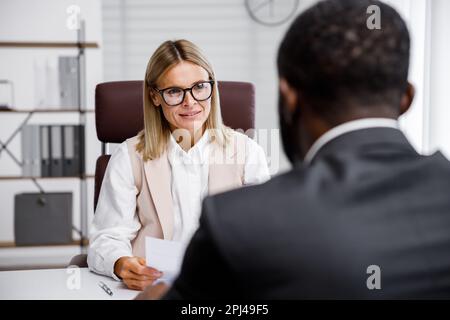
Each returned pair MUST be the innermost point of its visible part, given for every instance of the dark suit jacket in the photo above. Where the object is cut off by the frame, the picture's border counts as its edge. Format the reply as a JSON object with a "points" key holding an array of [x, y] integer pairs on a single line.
{"points": [[368, 198]]}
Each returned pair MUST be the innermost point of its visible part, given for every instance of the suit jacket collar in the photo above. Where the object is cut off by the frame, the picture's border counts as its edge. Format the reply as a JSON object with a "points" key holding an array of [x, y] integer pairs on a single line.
{"points": [[354, 140], [346, 127]]}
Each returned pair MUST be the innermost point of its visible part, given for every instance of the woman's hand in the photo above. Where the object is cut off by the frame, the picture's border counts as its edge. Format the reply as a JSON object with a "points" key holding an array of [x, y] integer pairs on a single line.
{"points": [[135, 273]]}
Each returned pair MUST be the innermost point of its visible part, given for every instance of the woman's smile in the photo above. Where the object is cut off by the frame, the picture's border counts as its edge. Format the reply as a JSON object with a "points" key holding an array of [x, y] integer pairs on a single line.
{"points": [[190, 114]]}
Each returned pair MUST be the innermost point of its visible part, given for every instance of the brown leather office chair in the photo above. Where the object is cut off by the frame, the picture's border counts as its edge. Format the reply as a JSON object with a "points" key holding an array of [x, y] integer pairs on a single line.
{"points": [[119, 116]]}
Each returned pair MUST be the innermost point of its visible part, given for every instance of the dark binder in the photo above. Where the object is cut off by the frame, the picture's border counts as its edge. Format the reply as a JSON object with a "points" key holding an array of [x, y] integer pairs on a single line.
{"points": [[68, 133], [80, 149], [56, 146], [45, 151], [43, 218], [73, 150]]}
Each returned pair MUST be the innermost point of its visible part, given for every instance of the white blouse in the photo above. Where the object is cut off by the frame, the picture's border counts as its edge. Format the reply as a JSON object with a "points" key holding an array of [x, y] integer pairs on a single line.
{"points": [[116, 223]]}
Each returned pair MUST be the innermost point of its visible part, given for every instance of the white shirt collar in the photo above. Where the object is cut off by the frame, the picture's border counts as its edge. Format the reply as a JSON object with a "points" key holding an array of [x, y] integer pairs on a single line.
{"points": [[345, 128], [199, 150]]}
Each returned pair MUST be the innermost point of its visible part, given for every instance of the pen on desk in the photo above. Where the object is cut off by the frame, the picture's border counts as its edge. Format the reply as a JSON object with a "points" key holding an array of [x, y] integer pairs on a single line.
{"points": [[105, 288]]}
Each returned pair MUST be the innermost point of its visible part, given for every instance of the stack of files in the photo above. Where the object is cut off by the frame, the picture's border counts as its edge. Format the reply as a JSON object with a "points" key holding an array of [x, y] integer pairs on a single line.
{"points": [[31, 152], [56, 152], [68, 81], [73, 150], [44, 135], [53, 150]]}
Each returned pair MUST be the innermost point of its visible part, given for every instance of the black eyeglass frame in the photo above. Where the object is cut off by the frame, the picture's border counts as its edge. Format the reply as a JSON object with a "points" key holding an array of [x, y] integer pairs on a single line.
{"points": [[161, 92]]}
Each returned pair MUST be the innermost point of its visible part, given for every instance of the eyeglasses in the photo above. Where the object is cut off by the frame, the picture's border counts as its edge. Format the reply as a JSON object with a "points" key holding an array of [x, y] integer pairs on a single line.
{"points": [[174, 96]]}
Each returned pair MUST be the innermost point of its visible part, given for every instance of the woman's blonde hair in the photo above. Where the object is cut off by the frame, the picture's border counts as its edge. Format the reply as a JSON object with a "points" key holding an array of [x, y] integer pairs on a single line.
{"points": [[153, 139]]}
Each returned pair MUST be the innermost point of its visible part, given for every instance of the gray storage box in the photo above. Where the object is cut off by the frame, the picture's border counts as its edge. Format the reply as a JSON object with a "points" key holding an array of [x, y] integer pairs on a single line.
{"points": [[43, 218]]}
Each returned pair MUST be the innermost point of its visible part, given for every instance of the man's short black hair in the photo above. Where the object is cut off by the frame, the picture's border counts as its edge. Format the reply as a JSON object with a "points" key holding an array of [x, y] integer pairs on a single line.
{"points": [[332, 57]]}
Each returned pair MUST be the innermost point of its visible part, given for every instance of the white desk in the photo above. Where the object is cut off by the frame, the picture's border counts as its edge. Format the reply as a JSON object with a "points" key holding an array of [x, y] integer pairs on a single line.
{"points": [[56, 284]]}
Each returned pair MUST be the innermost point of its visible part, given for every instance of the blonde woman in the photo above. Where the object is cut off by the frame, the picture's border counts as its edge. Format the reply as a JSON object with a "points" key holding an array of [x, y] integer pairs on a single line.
{"points": [[155, 182]]}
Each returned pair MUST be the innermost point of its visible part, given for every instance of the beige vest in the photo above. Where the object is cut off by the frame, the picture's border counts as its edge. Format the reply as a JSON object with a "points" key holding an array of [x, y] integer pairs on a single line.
{"points": [[153, 182]]}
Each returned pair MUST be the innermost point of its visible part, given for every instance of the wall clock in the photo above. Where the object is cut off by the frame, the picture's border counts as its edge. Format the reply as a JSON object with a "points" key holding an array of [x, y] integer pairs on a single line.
{"points": [[271, 12]]}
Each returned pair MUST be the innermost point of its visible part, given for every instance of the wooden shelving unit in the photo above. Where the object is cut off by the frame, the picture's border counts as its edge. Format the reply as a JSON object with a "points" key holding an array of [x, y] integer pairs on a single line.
{"points": [[9, 244], [81, 46], [46, 45], [4, 178], [55, 110]]}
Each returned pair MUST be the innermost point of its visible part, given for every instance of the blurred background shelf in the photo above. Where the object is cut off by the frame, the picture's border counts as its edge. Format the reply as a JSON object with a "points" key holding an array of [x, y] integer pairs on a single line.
{"points": [[34, 44], [28, 178], [11, 244], [55, 110], [14, 257]]}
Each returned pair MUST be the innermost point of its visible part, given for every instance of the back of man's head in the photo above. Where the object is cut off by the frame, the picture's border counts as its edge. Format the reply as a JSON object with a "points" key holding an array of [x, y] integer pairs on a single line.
{"points": [[337, 63]]}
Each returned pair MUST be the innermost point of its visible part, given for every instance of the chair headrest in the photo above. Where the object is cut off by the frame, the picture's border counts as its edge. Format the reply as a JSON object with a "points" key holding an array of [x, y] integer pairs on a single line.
{"points": [[119, 111]]}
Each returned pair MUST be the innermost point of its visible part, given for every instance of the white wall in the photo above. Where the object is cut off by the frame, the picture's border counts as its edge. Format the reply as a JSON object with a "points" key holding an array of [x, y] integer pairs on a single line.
{"points": [[40, 21], [439, 86], [426, 123], [414, 13]]}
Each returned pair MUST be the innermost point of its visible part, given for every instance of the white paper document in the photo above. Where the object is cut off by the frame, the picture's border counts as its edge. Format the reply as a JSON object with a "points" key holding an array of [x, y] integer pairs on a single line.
{"points": [[165, 256]]}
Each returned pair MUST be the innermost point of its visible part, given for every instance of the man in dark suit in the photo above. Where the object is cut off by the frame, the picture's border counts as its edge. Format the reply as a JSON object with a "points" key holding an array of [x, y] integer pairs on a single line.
{"points": [[361, 214]]}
